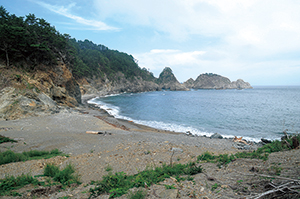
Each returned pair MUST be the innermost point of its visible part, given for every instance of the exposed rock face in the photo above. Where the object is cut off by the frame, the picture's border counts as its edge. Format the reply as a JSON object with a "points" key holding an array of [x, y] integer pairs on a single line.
{"points": [[14, 105], [37, 92], [167, 80], [120, 85], [214, 81], [189, 83]]}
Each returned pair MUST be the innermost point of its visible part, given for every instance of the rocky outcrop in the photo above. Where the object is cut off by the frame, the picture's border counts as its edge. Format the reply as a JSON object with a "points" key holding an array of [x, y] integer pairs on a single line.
{"points": [[15, 104], [37, 92], [120, 85], [168, 81], [214, 81], [189, 83]]}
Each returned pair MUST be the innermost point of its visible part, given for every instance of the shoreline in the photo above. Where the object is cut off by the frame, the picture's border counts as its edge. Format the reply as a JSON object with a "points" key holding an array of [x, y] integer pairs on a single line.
{"points": [[130, 151], [229, 137]]}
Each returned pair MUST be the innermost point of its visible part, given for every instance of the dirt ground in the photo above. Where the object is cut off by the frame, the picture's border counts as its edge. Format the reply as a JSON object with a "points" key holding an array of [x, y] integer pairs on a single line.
{"points": [[131, 148]]}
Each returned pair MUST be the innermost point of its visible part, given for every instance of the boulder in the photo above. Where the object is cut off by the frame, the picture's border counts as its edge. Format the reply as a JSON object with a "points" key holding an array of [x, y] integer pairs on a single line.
{"points": [[216, 136]]}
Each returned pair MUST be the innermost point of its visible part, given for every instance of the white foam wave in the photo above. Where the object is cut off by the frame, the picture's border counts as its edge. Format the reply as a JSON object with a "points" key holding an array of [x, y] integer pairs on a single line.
{"points": [[115, 111], [111, 109]]}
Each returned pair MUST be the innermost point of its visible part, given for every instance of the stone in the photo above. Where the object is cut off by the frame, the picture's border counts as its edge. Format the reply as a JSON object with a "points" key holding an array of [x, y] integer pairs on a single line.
{"points": [[266, 141], [216, 136], [177, 150], [169, 194]]}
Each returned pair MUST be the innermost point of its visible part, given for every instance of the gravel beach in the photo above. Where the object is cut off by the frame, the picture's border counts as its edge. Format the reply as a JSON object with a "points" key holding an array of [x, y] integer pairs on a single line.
{"points": [[124, 146]]}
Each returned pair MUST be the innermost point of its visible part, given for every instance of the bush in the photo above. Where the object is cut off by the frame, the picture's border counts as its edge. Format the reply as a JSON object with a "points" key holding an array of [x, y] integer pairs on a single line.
{"points": [[10, 183], [65, 177]]}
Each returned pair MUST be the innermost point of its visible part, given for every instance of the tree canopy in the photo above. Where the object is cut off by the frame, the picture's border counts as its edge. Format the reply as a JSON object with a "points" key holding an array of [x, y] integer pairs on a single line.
{"points": [[30, 41]]}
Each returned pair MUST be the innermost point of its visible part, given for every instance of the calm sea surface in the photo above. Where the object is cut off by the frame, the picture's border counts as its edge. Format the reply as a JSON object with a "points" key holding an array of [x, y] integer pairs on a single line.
{"points": [[262, 112]]}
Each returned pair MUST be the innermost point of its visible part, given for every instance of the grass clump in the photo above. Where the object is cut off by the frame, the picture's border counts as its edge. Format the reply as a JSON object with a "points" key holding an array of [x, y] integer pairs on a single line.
{"points": [[10, 156], [10, 183], [119, 183], [261, 153], [138, 194], [66, 176], [6, 139]]}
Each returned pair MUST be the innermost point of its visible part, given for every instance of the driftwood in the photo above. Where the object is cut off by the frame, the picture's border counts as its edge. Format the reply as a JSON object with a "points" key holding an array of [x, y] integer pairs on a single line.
{"points": [[97, 132], [283, 189], [236, 139]]}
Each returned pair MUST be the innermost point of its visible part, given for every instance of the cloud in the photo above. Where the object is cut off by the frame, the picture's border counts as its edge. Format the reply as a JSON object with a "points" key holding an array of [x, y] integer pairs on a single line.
{"points": [[264, 25], [66, 12]]}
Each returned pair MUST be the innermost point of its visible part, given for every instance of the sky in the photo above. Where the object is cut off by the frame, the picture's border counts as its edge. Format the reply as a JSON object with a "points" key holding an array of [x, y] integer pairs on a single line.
{"points": [[254, 40]]}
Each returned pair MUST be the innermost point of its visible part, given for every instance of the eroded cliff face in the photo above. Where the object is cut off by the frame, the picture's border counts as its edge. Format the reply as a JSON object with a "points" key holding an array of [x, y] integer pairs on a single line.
{"points": [[31, 93]]}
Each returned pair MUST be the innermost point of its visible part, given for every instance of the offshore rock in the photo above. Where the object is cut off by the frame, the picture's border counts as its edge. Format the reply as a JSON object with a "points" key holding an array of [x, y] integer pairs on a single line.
{"points": [[168, 81], [214, 81]]}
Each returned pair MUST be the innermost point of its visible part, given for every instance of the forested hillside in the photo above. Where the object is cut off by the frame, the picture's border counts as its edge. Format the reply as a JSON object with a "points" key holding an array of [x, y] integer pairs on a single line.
{"points": [[32, 43]]}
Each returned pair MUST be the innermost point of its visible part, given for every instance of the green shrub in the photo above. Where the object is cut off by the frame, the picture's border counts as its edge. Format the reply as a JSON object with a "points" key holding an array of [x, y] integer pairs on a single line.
{"points": [[10, 183], [65, 176], [6, 139], [261, 153], [119, 183], [51, 170]]}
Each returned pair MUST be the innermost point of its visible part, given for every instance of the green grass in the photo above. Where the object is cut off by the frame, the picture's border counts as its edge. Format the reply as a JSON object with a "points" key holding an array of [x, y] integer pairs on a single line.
{"points": [[261, 153], [5, 139], [119, 183], [10, 156], [66, 176], [10, 183]]}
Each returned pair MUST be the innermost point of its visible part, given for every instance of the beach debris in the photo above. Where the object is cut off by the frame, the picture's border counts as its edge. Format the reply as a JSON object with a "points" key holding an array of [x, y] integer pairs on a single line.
{"points": [[277, 191], [236, 139], [216, 136], [98, 132]]}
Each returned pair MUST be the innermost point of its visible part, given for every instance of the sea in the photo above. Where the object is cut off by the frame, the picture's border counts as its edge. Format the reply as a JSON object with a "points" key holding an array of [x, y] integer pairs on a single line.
{"points": [[261, 112]]}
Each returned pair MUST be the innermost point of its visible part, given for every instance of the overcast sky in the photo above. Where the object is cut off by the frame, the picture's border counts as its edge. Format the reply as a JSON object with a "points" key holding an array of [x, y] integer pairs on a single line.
{"points": [[255, 40]]}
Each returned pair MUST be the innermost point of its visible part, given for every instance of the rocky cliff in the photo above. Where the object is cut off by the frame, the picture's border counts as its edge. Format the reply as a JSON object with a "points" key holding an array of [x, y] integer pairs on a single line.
{"points": [[31, 93], [214, 81]]}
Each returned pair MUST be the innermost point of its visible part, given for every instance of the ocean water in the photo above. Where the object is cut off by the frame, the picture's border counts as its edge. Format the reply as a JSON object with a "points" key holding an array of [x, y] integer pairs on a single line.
{"points": [[262, 112]]}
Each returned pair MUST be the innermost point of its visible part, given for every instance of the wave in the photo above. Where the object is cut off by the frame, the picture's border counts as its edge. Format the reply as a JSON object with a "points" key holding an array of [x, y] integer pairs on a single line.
{"points": [[115, 111]]}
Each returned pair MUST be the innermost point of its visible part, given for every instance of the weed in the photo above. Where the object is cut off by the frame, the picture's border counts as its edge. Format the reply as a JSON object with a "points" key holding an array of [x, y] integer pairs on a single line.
{"points": [[6, 139], [189, 178], [215, 186], [260, 153], [138, 194], [108, 168], [10, 156], [10, 183], [119, 183], [239, 181], [65, 176], [276, 169], [169, 186]]}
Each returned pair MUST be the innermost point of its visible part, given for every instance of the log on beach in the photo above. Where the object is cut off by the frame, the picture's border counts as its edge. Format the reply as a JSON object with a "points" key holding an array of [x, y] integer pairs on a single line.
{"points": [[97, 132]]}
